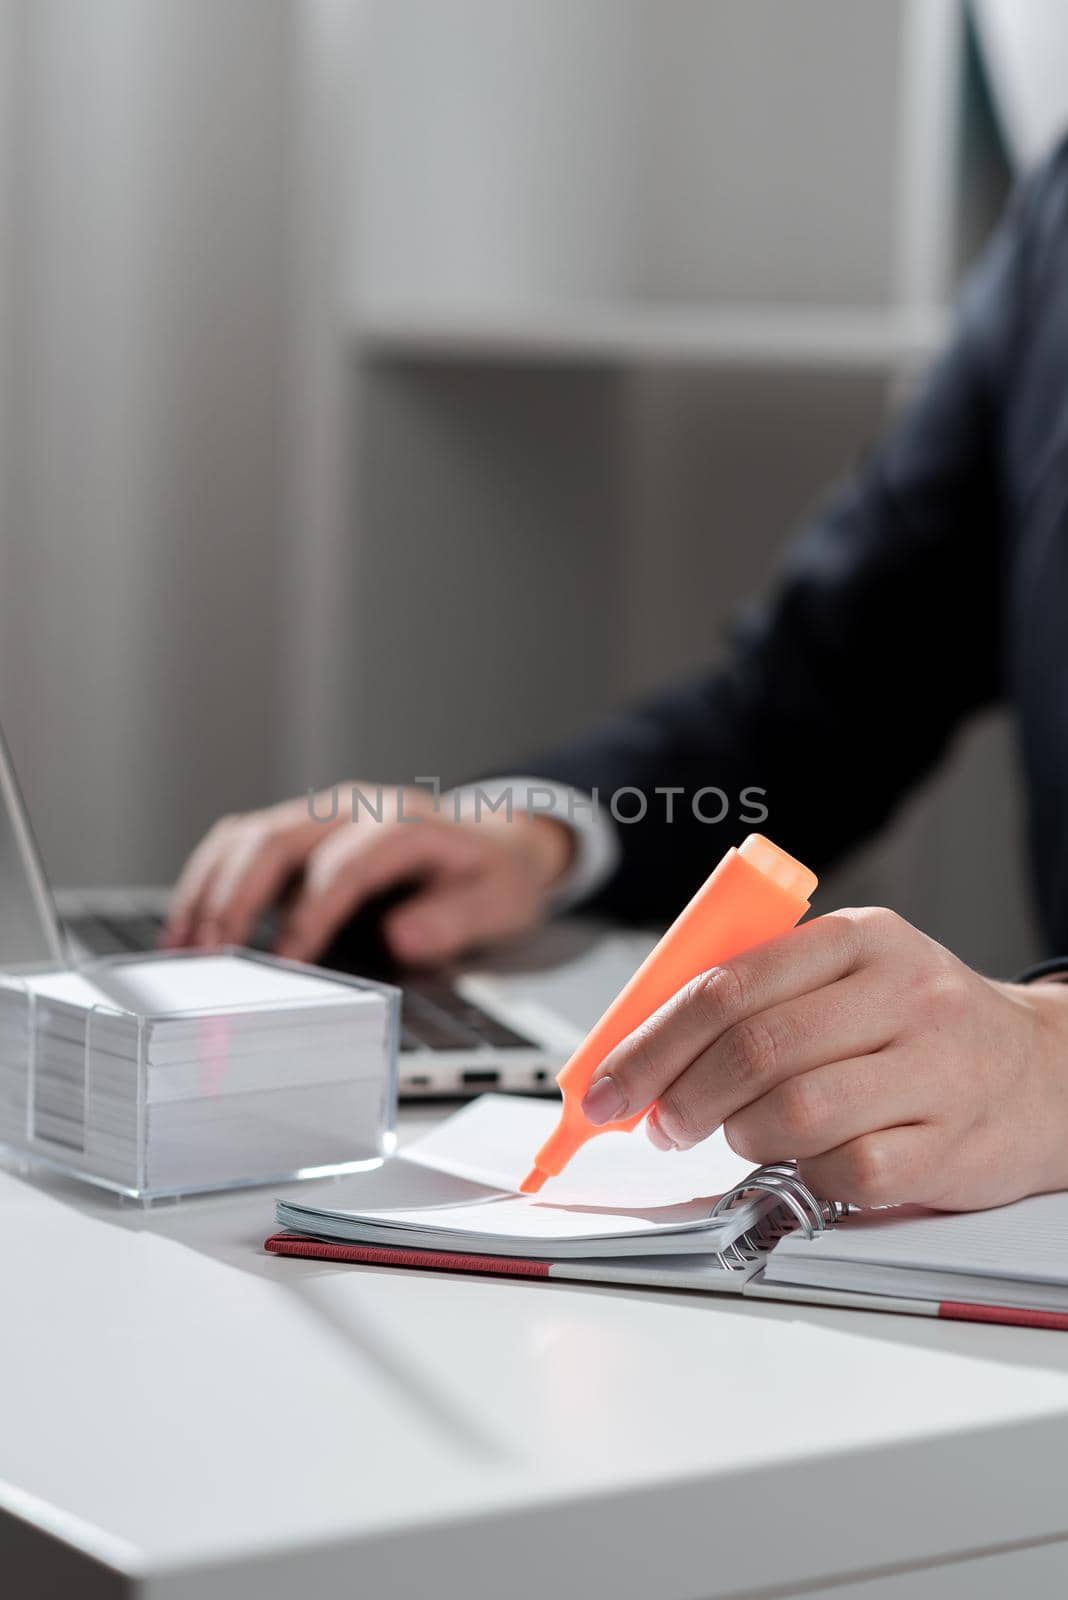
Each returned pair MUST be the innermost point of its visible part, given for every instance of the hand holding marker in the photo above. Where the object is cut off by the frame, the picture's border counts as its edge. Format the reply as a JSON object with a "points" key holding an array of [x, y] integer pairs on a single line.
{"points": [[757, 892]]}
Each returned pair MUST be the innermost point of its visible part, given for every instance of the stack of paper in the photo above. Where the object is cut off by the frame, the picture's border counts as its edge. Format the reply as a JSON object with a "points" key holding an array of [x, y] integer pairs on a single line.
{"points": [[174, 1073], [1016, 1255], [455, 1190]]}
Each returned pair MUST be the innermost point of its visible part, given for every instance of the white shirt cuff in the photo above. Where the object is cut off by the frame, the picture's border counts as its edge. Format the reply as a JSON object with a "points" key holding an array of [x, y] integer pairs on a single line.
{"points": [[596, 842]]}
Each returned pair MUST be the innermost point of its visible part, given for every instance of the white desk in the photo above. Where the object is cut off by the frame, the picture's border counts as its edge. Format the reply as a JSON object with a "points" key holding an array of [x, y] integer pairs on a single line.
{"points": [[183, 1416]]}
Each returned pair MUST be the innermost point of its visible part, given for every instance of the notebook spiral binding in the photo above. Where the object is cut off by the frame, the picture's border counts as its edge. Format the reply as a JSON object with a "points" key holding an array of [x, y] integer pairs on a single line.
{"points": [[798, 1207]]}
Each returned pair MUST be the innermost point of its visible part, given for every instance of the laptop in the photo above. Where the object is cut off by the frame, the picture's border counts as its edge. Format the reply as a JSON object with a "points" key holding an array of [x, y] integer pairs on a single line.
{"points": [[462, 1033]]}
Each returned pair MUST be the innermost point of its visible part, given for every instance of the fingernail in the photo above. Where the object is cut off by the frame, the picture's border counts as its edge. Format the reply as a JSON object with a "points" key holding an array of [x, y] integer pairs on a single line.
{"points": [[603, 1102], [657, 1136]]}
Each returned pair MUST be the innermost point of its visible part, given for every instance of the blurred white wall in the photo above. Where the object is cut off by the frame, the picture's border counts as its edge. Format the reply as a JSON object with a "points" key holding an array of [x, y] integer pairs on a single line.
{"points": [[496, 150], [145, 260], [667, 149]]}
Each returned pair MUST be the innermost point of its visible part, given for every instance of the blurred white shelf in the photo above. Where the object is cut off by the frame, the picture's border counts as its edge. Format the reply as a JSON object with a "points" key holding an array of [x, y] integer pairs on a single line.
{"points": [[846, 338]]}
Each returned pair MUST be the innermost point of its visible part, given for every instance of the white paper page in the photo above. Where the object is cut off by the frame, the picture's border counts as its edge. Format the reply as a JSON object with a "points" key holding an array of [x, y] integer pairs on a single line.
{"points": [[1028, 1240], [522, 1218], [191, 983], [494, 1140]]}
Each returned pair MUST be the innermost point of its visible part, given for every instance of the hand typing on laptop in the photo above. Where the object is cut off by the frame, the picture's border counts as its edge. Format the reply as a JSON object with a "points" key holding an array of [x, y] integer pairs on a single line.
{"points": [[472, 881]]}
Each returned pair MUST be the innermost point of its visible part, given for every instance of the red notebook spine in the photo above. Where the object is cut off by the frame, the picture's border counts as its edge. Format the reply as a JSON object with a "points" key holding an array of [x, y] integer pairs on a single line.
{"points": [[1016, 1316], [375, 1255]]}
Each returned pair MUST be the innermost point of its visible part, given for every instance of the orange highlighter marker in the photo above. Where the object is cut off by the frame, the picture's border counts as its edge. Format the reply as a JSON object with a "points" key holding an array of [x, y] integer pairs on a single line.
{"points": [[756, 893]]}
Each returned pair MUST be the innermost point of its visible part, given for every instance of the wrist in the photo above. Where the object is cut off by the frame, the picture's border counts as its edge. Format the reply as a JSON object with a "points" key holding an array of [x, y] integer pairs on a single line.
{"points": [[572, 847], [552, 845]]}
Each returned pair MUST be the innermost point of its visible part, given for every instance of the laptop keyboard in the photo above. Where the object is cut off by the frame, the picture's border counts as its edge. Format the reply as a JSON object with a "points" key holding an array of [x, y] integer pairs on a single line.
{"points": [[116, 936], [434, 1015]]}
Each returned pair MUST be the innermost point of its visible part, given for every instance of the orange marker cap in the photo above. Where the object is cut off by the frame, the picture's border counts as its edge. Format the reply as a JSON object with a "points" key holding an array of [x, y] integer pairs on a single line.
{"points": [[756, 893]]}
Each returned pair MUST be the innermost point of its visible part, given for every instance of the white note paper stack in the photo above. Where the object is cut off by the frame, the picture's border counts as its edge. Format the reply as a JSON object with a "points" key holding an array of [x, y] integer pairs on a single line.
{"points": [[165, 1074]]}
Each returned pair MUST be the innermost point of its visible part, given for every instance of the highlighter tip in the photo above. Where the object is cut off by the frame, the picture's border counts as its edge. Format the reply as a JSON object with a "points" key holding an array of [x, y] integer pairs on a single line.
{"points": [[533, 1181]]}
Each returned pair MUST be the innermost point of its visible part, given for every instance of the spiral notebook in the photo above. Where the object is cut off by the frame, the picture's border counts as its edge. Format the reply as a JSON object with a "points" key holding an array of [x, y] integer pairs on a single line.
{"points": [[455, 1191], [700, 1220]]}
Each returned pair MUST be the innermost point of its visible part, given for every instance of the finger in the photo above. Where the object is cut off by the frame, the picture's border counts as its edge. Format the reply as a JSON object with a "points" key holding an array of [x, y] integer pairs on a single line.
{"points": [[854, 1017], [250, 877], [183, 909], [895, 1166], [445, 920], [345, 871], [817, 1111], [652, 1057]]}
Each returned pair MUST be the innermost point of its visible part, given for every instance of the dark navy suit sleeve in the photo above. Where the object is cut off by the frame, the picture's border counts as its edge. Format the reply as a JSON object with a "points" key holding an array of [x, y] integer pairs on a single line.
{"points": [[883, 632]]}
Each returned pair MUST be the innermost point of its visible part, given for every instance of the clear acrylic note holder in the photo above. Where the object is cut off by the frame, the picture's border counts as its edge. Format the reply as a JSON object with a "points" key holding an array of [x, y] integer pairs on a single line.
{"points": [[157, 1104], [17, 1023]]}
